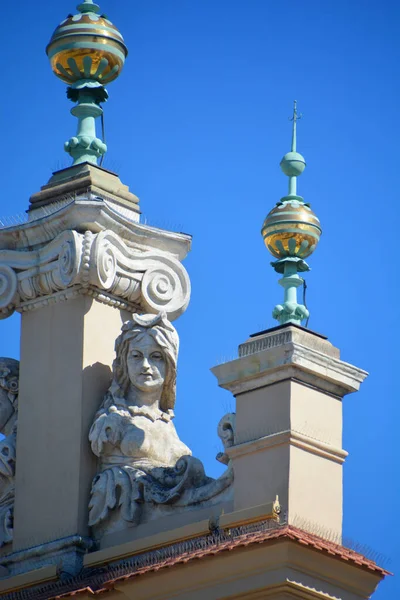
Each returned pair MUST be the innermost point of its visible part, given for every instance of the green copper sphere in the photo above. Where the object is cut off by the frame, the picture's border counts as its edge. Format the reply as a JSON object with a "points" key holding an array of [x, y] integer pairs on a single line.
{"points": [[293, 164], [291, 229], [87, 46]]}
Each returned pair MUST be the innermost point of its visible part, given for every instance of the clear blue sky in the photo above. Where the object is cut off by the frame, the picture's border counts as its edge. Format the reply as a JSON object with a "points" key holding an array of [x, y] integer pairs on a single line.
{"points": [[197, 125]]}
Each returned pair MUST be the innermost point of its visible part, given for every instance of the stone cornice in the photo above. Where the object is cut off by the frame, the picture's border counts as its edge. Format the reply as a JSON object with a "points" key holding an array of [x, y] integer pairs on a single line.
{"points": [[94, 214], [289, 355], [101, 265], [293, 438], [283, 335]]}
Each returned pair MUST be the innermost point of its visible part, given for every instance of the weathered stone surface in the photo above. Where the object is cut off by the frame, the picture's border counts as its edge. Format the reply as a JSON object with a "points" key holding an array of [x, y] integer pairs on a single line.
{"points": [[9, 384], [83, 179], [99, 265], [145, 470], [281, 335], [290, 352], [83, 237]]}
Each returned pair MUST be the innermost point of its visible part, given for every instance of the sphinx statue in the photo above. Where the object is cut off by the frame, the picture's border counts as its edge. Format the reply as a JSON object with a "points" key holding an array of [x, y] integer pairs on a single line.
{"points": [[9, 382], [145, 470]]}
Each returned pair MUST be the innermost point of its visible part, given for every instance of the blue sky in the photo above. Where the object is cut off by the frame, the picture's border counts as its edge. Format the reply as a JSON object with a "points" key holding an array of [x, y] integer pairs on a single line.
{"points": [[196, 126]]}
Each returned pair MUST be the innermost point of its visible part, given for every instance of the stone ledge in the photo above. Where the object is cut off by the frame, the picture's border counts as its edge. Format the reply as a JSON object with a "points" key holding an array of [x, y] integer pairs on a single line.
{"points": [[293, 438], [289, 360], [262, 512], [28, 579], [255, 514], [148, 543], [92, 214], [63, 553]]}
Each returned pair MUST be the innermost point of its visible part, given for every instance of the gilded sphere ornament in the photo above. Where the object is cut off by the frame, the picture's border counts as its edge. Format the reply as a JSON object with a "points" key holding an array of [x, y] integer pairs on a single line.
{"points": [[291, 229], [293, 164], [87, 46]]}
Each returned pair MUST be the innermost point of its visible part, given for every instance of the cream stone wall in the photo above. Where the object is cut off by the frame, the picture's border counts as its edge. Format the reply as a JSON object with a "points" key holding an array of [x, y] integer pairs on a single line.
{"points": [[316, 414], [263, 411], [67, 351], [289, 443], [315, 494], [261, 475]]}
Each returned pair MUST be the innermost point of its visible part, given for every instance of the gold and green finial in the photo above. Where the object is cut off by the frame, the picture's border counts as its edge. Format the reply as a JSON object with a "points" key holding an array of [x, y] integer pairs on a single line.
{"points": [[87, 52], [291, 233]]}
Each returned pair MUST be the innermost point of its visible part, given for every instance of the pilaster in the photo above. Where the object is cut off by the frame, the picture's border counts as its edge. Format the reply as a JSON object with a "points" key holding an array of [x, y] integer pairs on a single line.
{"points": [[66, 356]]}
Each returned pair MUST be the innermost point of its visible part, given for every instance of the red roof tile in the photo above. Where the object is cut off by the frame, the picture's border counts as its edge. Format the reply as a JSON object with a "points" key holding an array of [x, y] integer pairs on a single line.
{"points": [[257, 537]]}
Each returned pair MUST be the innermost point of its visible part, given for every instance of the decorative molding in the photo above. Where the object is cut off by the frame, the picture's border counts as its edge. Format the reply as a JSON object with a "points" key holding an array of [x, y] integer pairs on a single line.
{"points": [[340, 367], [264, 343], [75, 292], [100, 265], [294, 438], [281, 359], [94, 213], [285, 335]]}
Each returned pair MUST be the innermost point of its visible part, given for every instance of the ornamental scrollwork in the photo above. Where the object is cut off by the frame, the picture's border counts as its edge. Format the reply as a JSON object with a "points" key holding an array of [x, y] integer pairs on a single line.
{"points": [[151, 280]]}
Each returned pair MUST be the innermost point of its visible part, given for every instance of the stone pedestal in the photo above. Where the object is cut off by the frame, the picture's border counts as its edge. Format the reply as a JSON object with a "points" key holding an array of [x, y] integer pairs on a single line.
{"points": [[289, 384], [85, 178]]}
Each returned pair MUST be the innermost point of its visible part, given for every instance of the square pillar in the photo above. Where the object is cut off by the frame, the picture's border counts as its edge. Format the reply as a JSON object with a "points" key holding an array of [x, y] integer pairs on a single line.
{"points": [[289, 383], [67, 349]]}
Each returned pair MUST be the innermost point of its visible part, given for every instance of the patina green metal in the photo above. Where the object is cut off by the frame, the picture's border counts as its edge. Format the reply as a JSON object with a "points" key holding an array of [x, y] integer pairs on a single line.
{"points": [[86, 146], [290, 311], [88, 6], [87, 52], [291, 232], [293, 163]]}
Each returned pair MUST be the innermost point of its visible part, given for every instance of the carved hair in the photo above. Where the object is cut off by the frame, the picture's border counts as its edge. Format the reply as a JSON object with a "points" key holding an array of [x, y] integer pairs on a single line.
{"points": [[165, 336], [9, 378]]}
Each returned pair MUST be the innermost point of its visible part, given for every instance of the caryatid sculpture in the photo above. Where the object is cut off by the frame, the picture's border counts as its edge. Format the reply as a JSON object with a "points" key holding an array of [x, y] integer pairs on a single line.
{"points": [[145, 469], [9, 383]]}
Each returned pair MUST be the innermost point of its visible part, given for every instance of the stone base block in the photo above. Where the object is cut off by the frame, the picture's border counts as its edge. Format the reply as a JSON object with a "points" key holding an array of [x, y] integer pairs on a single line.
{"points": [[66, 554], [83, 179]]}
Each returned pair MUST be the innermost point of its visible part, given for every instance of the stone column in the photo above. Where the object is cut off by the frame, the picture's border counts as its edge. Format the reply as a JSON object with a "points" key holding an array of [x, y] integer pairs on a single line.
{"points": [[289, 384], [76, 270]]}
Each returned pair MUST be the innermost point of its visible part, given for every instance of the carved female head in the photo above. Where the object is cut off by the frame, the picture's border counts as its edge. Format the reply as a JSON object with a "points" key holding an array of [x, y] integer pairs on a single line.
{"points": [[9, 376], [146, 357]]}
